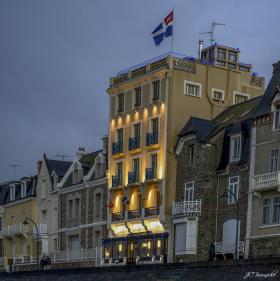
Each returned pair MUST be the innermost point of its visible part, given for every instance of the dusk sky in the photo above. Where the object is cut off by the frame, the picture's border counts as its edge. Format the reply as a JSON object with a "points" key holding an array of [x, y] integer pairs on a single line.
{"points": [[56, 58]]}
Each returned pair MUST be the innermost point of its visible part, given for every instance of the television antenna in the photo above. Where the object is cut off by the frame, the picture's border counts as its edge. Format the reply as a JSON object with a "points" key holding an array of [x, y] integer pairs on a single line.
{"points": [[15, 166], [211, 32], [63, 156]]}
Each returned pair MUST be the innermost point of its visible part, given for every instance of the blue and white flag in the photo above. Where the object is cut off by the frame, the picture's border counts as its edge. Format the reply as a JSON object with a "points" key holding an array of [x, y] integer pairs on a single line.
{"points": [[164, 29]]}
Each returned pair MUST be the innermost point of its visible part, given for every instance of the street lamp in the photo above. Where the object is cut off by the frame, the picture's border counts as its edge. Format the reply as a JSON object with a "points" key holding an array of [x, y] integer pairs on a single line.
{"points": [[25, 222], [226, 195]]}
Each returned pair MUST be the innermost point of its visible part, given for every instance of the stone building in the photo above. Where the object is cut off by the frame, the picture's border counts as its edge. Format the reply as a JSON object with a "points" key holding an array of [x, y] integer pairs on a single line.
{"points": [[212, 170], [149, 105], [50, 172], [82, 203], [263, 225]]}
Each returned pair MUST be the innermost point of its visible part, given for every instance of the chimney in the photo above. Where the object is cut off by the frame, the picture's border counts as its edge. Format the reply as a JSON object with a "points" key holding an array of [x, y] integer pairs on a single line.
{"points": [[200, 46], [105, 140], [81, 152]]}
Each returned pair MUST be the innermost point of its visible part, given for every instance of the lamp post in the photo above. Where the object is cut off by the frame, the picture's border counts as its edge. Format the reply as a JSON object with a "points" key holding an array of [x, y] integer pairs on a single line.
{"points": [[226, 195], [25, 222]]}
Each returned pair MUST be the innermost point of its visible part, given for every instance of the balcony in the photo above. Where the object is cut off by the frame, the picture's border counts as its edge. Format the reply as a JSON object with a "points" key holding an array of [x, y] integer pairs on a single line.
{"points": [[116, 180], [152, 139], [117, 148], [150, 174], [266, 181], [224, 248], [150, 212], [133, 177], [73, 222], [134, 143], [118, 216], [15, 229], [134, 214], [186, 208]]}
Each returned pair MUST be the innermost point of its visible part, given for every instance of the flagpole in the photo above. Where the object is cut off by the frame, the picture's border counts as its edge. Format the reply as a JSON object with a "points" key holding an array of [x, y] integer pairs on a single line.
{"points": [[172, 39]]}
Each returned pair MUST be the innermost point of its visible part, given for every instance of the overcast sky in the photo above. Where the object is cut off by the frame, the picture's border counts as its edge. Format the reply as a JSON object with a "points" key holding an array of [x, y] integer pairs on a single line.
{"points": [[56, 57]]}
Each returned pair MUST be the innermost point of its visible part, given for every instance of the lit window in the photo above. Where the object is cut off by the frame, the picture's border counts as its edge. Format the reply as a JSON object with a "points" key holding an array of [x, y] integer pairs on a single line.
{"points": [[277, 118], [232, 56], [189, 191], [221, 54], [191, 154], [233, 190], [192, 89], [239, 97], [23, 189], [274, 156], [235, 148]]}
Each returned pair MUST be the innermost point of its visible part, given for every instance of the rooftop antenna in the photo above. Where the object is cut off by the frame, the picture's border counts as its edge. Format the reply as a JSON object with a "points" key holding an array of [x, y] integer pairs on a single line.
{"points": [[63, 156], [15, 166], [211, 32]]}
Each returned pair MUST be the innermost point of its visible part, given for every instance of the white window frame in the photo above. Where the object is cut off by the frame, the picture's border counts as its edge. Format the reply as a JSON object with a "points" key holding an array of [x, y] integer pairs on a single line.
{"points": [[271, 211], [151, 90], [231, 199], [189, 188], [117, 104], [12, 192], [232, 138], [235, 93], [274, 160], [23, 189], [187, 82], [220, 91], [134, 97], [274, 118]]}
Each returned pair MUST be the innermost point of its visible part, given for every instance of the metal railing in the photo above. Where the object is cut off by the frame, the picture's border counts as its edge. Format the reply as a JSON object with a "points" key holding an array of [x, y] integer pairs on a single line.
{"points": [[116, 180], [222, 248], [117, 147], [133, 143], [133, 177], [151, 138], [150, 174], [134, 214], [25, 260], [185, 208], [118, 216], [153, 211], [15, 229], [266, 181]]}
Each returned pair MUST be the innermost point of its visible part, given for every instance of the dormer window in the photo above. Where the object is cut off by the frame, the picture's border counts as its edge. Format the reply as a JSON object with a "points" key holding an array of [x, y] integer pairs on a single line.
{"points": [[23, 189], [12, 192], [235, 148], [277, 117]]}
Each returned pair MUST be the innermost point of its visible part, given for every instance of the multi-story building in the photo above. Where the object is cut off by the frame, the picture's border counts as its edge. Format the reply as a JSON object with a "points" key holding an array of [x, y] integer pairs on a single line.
{"points": [[82, 205], [18, 233], [50, 172], [212, 184], [3, 188], [149, 105], [263, 226]]}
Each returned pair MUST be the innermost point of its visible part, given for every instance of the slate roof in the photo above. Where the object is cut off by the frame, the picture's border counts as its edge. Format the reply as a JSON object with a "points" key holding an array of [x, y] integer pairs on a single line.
{"points": [[58, 166], [264, 106]]}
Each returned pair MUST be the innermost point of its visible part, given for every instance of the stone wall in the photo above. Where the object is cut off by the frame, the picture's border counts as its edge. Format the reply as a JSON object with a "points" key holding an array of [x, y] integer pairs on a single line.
{"points": [[265, 247]]}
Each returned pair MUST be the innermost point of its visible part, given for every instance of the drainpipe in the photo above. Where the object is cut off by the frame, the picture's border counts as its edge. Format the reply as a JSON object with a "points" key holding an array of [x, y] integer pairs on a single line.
{"points": [[217, 207]]}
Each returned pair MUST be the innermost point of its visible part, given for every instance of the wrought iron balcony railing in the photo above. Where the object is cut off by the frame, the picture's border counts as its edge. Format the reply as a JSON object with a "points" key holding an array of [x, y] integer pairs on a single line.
{"points": [[15, 229], [266, 181], [149, 212], [222, 248], [117, 147], [151, 138], [118, 216], [133, 177], [134, 143], [150, 174], [186, 208], [134, 214], [116, 180]]}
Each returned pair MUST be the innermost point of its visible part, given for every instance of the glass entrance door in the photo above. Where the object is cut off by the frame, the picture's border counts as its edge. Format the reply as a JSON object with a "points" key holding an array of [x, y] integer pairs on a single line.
{"points": [[133, 251]]}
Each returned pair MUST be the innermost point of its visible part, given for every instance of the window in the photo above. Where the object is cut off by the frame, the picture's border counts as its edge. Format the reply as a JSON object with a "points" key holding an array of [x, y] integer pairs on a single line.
{"points": [[120, 103], [0, 223], [98, 205], [191, 154], [192, 89], [70, 209], [271, 210], [235, 148], [154, 125], [12, 192], [119, 171], [23, 189], [77, 207], [277, 118], [239, 97], [155, 90], [137, 130], [154, 164], [189, 191], [137, 97], [221, 54], [233, 189], [274, 156], [120, 135], [217, 95], [232, 56], [136, 167]]}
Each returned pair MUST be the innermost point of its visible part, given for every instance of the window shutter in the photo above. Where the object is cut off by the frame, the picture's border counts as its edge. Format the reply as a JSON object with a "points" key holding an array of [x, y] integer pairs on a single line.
{"points": [[191, 237], [180, 238]]}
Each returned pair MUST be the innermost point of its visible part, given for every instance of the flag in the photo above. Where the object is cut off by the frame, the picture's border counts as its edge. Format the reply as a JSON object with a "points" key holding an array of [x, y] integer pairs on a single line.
{"points": [[164, 29]]}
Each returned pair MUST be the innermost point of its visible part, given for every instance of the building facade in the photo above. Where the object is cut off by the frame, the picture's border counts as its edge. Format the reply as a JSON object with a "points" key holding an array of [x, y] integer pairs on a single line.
{"points": [[263, 220], [149, 105], [82, 204], [209, 213], [50, 172]]}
